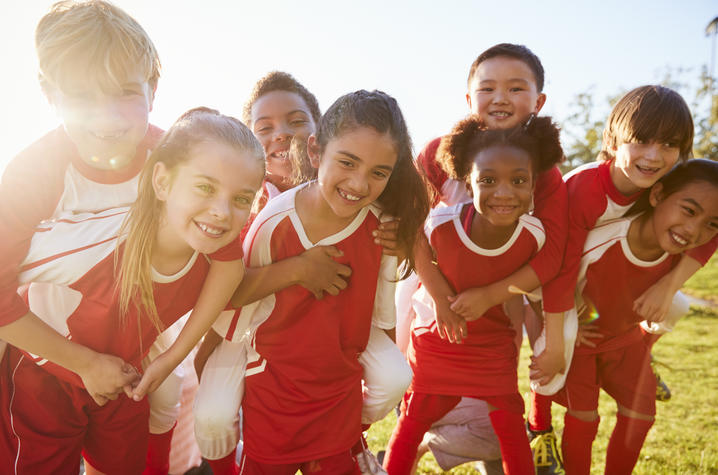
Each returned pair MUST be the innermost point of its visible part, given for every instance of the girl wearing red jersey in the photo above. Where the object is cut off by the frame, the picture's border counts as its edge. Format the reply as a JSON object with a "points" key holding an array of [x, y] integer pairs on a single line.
{"points": [[120, 277], [621, 259], [303, 399], [494, 236]]}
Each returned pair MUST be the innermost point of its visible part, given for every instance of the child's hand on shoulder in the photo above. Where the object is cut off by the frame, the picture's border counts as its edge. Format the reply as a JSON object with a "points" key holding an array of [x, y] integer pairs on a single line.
{"points": [[471, 303], [587, 332], [385, 236], [322, 273]]}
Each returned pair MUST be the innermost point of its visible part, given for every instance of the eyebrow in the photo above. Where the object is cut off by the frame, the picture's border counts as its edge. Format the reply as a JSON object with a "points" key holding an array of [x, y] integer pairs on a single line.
{"points": [[357, 159], [287, 114], [509, 80], [214, 180], [492, 170]]}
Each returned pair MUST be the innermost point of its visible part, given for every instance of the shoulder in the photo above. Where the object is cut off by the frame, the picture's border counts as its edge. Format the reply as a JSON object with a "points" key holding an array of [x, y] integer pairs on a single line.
{"points": [[48, 156], [441, 215], [534, 227], [604, 236]]}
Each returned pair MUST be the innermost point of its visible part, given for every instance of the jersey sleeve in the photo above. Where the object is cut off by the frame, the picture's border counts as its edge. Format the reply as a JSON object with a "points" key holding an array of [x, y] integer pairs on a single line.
{"points": [[426, 161], [703, 253], [30, 190], [551, 207]]}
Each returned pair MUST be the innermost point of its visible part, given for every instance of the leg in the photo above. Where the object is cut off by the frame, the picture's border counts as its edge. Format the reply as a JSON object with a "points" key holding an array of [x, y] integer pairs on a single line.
{"points": [[509, 427], [387, 375], [579, 431], [626, 441], [418, 412], [216, 407]]}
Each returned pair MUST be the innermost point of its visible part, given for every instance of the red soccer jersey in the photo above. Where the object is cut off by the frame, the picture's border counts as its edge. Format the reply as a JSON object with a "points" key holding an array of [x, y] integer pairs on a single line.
{"points": [[594, 200], [484, 364], [550, 206], [611, 278], [303, 395], [76, 256]]}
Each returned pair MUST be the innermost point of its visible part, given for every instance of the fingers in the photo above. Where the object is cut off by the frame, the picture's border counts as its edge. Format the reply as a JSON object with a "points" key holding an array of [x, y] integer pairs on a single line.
{"points": [[343, 270], [331, 251], [99, 399], [141, 390]]}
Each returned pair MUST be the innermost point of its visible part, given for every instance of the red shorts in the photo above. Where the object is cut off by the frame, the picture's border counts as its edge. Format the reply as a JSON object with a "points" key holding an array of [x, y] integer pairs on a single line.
{"points": [[48, 423], [340, 464], [624, 373]]}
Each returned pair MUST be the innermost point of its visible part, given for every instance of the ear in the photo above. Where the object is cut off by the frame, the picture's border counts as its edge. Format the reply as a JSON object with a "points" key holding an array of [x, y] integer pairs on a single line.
{"points": [[161, 181], [540, 101], [313, 151], [151, 95], [656, 194], [468, 100]]}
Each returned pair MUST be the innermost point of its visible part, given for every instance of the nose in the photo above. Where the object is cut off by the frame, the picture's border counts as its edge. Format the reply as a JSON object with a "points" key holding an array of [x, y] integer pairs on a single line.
{"points": [[652, 151], [498, 96], [503, 190], [282, 132], [220, 208], [359, 183]]}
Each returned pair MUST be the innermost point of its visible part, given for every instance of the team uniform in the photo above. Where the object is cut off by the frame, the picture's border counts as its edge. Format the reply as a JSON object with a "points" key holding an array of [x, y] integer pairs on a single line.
{"points": [[48, 416], [611, 278], [484, 366], [385, 379], [303, 372]]}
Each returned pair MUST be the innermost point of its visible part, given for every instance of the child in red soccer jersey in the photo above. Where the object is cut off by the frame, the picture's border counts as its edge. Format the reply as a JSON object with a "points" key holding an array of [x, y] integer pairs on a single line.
{"points": [[282, 114], [649, 130], [118, 277], [621, 259], [474, 245], [303, 399]]}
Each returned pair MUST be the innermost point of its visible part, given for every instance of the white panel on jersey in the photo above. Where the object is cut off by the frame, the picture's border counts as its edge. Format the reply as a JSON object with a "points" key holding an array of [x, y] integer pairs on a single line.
{"points": [[53, 304], [82, 195]]}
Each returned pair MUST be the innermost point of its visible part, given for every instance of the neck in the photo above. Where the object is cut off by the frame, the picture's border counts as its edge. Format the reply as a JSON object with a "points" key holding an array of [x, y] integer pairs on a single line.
{"points": [[621, 182], [169, 255], [317, 217], [642, 240], [487, 236]]}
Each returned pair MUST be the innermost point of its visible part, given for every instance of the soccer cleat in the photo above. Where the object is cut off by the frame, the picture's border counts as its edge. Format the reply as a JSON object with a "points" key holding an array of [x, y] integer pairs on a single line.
{"points": [[663, 392], [547, 458], [367, 461]]}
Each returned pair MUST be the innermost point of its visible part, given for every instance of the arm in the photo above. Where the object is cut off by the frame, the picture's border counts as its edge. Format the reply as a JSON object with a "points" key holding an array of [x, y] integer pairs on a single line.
{"points": [[104, 376], [654, 303], [451, 326], [315, 269], [221, 282]]}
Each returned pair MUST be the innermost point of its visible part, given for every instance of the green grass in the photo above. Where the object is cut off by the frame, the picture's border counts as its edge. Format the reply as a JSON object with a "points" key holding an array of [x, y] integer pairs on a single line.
{"points": [[684, 439]]}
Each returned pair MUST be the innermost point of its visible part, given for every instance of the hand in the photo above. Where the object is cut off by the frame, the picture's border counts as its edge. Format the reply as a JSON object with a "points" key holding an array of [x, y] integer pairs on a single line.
{"points": [[545, 366], [587, 332], [471, 303], [385, 236], [321, 273], [654, 303], [154, 375], [209, 343], [450, 325], [107, 376]]}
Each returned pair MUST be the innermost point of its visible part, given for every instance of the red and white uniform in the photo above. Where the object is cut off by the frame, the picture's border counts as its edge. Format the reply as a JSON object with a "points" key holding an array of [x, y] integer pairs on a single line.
{"points": [[485, 363], [611, 278], [594, 200], [303, 373], [76, 255], [550, 206]]}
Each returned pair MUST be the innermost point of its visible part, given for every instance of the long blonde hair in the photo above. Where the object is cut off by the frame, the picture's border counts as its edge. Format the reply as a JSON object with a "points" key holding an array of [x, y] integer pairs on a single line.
{"points": [[134, 273]]}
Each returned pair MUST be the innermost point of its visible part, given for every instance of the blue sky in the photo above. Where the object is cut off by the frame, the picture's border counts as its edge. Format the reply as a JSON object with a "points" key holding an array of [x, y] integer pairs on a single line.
{"points": [[418, 51]]}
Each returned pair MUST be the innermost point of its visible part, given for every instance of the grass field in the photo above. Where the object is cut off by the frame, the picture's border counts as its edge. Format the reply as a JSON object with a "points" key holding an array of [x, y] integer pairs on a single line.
{"points": [[684, 439]]}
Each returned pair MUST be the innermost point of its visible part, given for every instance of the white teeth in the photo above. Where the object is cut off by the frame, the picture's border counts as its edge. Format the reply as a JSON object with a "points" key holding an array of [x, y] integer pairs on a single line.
{"points": [[105, 135], [210, 230], [348, 196], [283, 154], [500, 114], [679, 239]]}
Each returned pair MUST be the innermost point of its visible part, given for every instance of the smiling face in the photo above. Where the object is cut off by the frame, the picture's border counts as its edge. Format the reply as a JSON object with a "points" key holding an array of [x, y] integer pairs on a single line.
{"points": [[277, 117], [207, 198], [502, 184], [106, 126], [639, 166], [503, 92], [354, 169], [687, 218]]}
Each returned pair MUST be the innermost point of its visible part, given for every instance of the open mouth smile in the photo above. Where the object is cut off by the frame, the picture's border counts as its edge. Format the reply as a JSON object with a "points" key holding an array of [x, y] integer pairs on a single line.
{"points": [[209, 230]]}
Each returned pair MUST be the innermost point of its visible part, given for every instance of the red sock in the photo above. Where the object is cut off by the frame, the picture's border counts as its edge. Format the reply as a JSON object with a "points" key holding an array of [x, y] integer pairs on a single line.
{"points": [[576, 444], [540, 412], [227, 465], [626, 443], [515, 449], [158, 453], [402, 448]]}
